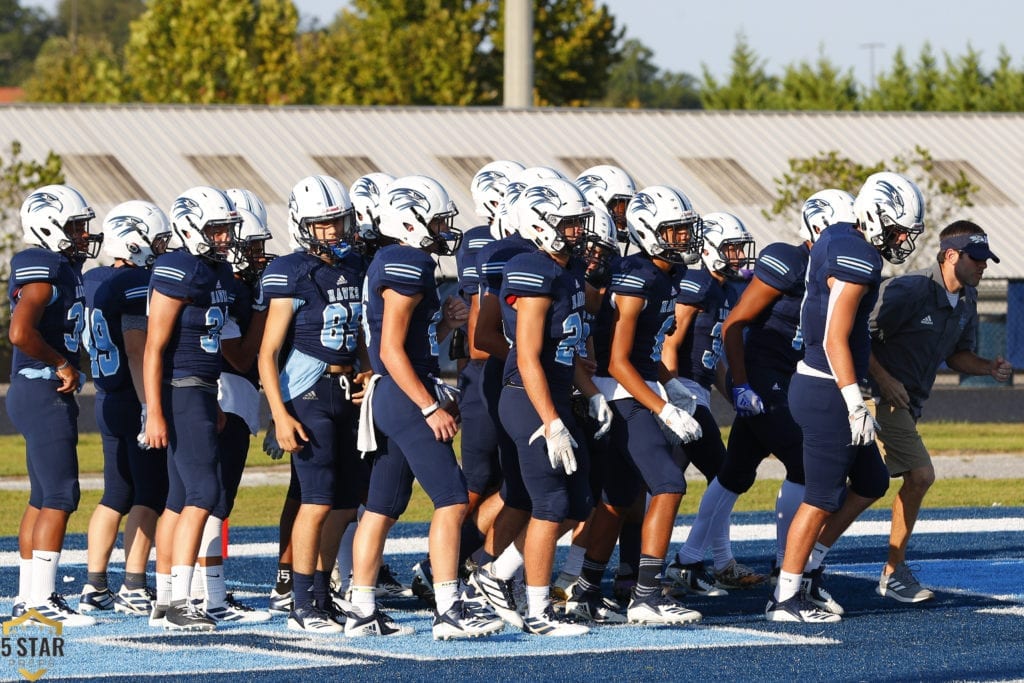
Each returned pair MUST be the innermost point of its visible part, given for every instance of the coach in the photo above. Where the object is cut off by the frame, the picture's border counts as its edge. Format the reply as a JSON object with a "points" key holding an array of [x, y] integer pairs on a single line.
{"points": [[920, 320]]}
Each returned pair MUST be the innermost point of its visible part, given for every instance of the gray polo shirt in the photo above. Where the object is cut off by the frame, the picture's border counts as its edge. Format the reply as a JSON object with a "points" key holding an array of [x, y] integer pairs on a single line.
{"points": [[914, 329]]}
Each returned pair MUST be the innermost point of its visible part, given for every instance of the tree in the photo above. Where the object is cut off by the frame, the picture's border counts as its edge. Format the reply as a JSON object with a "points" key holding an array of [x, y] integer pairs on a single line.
{"points": [[1007, 92], [748, 87], [95, 19], [964, 86], [829, 169], [87, 71], [894, 91], [23, 30], [820, 87], [636, 82]]}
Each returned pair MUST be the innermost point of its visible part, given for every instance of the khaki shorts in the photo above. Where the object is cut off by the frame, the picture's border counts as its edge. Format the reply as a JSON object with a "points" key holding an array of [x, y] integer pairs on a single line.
{"points": [[898, 439]]}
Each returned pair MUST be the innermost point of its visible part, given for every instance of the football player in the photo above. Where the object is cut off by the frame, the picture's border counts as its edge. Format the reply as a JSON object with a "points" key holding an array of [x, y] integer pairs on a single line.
{"points": [[135, 233], [47, 318], [843, 470]]}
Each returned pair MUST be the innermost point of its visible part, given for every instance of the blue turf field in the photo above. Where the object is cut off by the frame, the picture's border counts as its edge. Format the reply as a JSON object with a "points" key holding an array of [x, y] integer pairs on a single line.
{"points": [[973, 630]]}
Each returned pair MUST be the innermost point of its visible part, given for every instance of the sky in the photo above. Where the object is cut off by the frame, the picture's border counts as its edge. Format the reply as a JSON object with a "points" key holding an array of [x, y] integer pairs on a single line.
{"points": [[687, 35]]}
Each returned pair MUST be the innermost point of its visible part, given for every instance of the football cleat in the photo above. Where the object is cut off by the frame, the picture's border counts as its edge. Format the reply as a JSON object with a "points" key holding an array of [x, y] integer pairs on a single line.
{"points": [[423, 584], [184, 616], [798, 609], [235, 612], [313, 620], [591, 606], [553, 625], [55, 608], [562, 588], [136, 601], [340, 608], [463, 621], [390, 587], [18, 609], [690, 578], [660, 609], [498, 593], [736, 575], [280, 603], [903, 586], [813, 587], [93, 600], [377, 624], [158, 617]]}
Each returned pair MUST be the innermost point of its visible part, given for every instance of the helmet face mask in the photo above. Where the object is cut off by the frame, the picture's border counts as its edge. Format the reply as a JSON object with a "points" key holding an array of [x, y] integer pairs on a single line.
{"points": [[597, 248], [249, 256], [57, 218]]}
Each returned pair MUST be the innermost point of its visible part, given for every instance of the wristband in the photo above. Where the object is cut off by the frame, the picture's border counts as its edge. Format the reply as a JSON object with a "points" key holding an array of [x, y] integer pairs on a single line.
{"points": [[431, 409], [63, 365], [851, 394]]}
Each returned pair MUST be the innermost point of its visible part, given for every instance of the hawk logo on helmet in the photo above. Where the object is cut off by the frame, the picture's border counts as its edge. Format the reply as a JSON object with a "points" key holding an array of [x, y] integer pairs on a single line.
{"points": [[543, 193], [491, 179], [643, 201], [894, 197], [591, 182], [818, 207], [366, 188], [407, 198], [43, 200], [122, 226], [186, 206]]}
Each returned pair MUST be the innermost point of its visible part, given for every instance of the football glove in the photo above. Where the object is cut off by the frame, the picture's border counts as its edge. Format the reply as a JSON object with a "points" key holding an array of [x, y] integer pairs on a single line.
{"points": [[560, 445], [600, 411], [141, 438], [270, 445], [862, 424], [682, 428], [746, 401], [680, 396]]}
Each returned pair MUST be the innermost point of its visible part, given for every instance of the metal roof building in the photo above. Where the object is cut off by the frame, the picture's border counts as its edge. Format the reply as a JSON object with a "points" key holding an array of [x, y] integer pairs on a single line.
{"points": [[725, 161]]}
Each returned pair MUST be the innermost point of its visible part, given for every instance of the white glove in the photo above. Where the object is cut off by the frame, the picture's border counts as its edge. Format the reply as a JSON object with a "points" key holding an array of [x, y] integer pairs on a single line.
{"points": [[141, 438], [600, 411], [680, 396], [682, 427], [560, 444], [862, 425], [746, 401]]}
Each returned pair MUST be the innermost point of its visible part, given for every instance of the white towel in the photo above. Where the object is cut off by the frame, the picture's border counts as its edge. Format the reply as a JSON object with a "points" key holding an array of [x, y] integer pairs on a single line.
{"points": [[366, 439]]}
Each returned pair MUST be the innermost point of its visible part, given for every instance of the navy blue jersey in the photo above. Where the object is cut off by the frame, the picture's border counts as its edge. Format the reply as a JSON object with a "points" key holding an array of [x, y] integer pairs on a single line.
{"points": [[328, 303], [491, 260], [840, 252], [205, 287], [123, 292], [537, 274], [638, 276], [774, 339], [702, 345], [408, 272], [63, 318], [243, 301], [473, 240]]}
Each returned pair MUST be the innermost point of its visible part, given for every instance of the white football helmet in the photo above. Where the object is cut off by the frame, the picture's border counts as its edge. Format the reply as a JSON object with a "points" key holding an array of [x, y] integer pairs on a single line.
{"points": [[136, 231], [197, 213], [822, 209], [417, 211], [366, 193], [488, 186], [601, 243], [554, 215], [659, 208], [728, 245], [248, 200], [890, 211], [49, 212], [248, 251], [321, 199], [611, 188]]}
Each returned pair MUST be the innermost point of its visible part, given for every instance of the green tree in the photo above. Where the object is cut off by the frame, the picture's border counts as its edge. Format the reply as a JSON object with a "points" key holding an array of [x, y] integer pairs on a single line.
{"points": [[95, 19], [894, 90], [1007, 91], [748, 86], [23, 30], [927, 80], [820, 87], [964, 86], [636, 82], [806, 176], [87, 71]]}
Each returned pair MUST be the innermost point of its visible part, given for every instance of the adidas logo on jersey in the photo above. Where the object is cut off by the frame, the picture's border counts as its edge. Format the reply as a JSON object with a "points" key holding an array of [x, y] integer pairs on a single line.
{"points": [[309, 396], [342, 280], [927, 320], [776, 387]]}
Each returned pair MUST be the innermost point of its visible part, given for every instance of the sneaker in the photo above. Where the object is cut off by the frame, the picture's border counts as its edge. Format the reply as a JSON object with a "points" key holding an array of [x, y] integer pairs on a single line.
{"points": [[55, 608], [463, 621], [562, 588], [340, 607], [691, 578], [136, 601], [390, 587], [280, 603], [903, 586], [660, 609], [625, 582], [736, 575], [497, 592], [313, 620], [813, 587], [158, 617], [184, 616], [798, 609], [423, 584], [591, 606], [235, 612], [551, 624], [377, 624], [18, 609], [93, 600]]}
